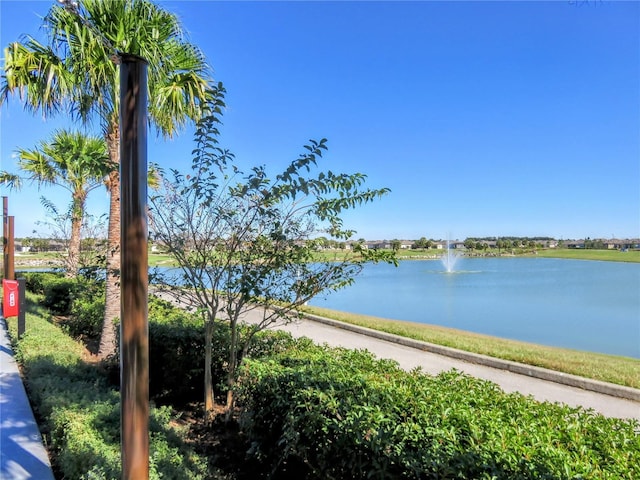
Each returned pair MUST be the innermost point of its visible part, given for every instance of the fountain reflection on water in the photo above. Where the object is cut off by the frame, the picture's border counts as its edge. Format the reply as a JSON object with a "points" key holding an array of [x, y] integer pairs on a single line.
{"points": [[449, 259]]}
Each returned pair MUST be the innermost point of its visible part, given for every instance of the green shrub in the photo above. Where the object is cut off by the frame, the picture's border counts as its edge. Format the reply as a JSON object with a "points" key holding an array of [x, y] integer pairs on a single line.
{"points": [[176, 373], [87, 313], [35, 281], [176, 343], [58, 295], [80, 300], [272, 342], [343, 414]]}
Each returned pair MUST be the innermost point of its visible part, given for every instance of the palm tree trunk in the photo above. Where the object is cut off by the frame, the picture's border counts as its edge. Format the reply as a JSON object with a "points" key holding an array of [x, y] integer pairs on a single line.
{"points": [[112, 284], [73, 258]]}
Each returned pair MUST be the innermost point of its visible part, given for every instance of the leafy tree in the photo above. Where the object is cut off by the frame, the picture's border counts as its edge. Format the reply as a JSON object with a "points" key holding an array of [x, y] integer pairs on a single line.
{"points": [[27, 242], [74, 161], [395, 245], [58, 225], [75, 72], [422, 242], [321, 242], [245, 242], [41, 244]]}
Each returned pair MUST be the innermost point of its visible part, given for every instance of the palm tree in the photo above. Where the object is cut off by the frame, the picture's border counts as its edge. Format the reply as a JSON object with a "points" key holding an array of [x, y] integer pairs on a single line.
{"points": [[76, 72], [76, 162]]}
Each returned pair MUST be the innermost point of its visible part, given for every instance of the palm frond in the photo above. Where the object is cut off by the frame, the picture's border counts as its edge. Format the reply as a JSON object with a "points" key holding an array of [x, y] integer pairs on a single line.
{"points": [[75, 70], [37, 75], [10, 180]]}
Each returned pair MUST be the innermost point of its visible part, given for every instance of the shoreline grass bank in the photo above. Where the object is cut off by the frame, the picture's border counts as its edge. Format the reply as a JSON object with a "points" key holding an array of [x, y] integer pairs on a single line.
{"points": [[607, 368]]}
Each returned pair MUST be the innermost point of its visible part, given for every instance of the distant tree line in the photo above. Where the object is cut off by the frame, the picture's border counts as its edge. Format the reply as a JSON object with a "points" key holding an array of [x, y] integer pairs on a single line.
{"points": [[472, 243], [505, 242], [45, 245], [512, 239]]}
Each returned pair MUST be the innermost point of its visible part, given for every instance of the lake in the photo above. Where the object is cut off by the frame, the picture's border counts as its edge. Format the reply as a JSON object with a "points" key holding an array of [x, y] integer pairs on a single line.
{"points": [[583, 305]]}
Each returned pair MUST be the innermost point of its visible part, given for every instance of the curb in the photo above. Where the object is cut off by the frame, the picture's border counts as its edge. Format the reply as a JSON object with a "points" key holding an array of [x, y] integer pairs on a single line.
{"points": [[605, 388]]}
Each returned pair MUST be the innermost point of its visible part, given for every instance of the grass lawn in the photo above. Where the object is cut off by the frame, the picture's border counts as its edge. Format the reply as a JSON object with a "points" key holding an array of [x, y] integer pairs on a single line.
{"points": [[602, 255]]}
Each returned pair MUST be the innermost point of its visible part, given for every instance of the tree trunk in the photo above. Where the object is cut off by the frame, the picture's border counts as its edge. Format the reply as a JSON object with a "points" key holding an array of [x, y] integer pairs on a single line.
{"points": [[208, 379], [112, 284], [233, 366], [73, 258]]}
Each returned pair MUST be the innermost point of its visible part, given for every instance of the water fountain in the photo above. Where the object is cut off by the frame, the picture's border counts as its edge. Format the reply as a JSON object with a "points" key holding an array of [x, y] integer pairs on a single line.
{"points": [[449, 259]]}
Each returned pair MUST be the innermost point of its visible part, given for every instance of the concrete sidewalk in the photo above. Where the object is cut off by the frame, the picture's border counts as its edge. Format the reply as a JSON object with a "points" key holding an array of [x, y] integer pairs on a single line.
{"points": [[22, 454], [542, 384]]}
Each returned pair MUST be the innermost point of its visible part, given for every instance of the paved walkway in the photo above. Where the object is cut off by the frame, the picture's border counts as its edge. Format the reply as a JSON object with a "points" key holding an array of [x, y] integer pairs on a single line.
{"points": [[22, 454], [544, 385]]}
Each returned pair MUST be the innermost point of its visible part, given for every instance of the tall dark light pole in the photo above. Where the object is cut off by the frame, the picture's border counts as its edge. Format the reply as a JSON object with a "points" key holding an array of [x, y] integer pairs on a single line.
{"points": [[5, 235], [134, 337], [134, 330]]}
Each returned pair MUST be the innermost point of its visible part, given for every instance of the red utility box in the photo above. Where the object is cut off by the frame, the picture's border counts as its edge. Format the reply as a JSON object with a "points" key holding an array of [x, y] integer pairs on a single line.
{"points": [[10, 298]]}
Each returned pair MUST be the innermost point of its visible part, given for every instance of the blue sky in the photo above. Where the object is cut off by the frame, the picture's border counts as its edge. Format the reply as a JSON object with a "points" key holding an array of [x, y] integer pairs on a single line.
{"points": [[483, 118]]}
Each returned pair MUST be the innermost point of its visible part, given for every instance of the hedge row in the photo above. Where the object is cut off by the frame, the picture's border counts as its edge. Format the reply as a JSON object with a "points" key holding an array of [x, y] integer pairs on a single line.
{"points": [[344, 414]]}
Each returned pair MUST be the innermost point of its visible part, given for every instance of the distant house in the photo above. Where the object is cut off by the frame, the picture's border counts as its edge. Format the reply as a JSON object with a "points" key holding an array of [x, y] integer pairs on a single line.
{"points": [[453, 244], [612, 244], [379, 245], [633, 243], [617, 244]]}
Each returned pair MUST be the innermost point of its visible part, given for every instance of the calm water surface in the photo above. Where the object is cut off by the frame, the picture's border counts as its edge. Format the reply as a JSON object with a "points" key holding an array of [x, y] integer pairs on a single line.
{"points": [[585, 305]]}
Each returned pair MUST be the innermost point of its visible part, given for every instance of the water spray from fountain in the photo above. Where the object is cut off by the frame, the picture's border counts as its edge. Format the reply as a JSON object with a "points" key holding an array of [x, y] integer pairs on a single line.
{"points": [[449, 259]]}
